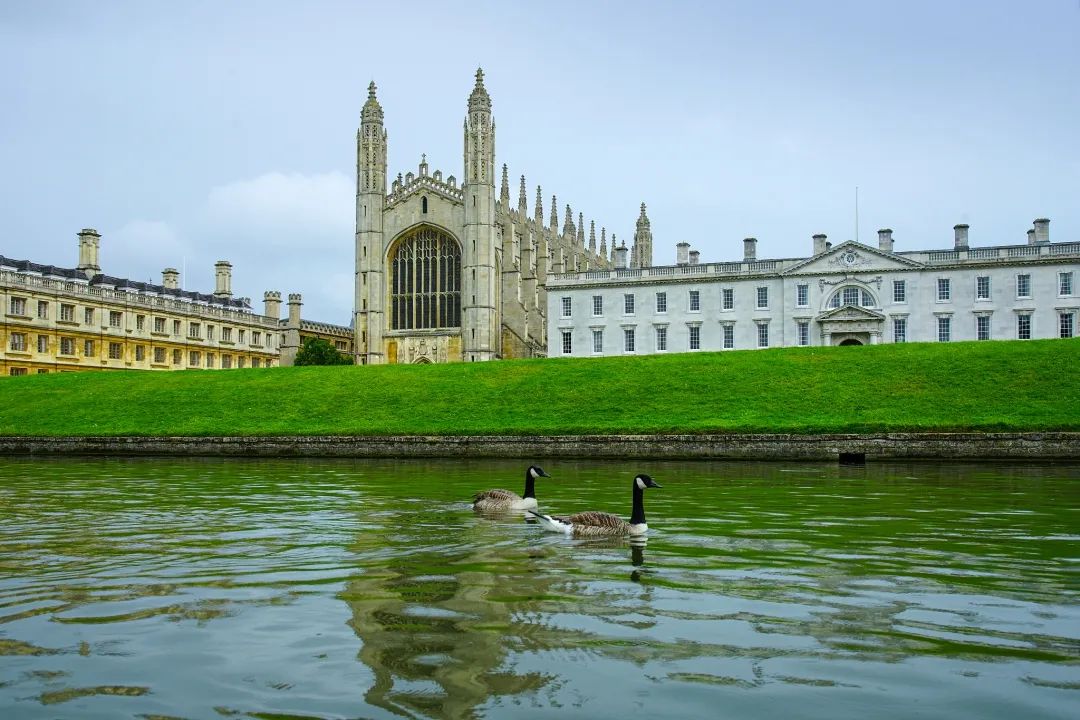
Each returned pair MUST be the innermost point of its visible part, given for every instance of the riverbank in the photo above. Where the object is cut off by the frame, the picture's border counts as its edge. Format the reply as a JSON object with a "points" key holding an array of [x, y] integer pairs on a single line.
{"points": [[1001, 386], [854, 447]]}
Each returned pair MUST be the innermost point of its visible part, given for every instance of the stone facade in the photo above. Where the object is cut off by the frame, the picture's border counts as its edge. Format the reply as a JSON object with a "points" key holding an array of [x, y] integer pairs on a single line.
{"points": [[850, 294], [448, 272]]}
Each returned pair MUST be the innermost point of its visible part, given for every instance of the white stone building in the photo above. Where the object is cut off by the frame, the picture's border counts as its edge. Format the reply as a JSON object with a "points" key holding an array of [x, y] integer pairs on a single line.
{"points": [[850, 294]]}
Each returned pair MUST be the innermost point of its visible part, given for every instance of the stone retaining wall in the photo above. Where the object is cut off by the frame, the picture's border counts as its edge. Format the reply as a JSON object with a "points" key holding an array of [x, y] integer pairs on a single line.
{"points": [[973, 446]]}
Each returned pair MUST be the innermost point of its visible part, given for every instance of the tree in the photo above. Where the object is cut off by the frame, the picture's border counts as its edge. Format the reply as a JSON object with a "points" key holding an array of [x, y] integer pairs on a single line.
{"points": [[316, 351]]}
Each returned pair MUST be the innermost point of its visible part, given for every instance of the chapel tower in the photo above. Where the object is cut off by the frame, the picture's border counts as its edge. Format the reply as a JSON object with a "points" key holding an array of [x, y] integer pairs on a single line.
{"points": [[479, 301], [370, 201]]}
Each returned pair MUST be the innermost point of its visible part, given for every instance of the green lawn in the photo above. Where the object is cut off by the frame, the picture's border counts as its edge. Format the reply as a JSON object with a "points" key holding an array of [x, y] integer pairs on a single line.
{"points": [[916, 387]]}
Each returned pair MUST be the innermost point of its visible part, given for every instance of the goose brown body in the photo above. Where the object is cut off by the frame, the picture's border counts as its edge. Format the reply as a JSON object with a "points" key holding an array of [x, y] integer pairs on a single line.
{"points": [[593, 523], [498, 500]]}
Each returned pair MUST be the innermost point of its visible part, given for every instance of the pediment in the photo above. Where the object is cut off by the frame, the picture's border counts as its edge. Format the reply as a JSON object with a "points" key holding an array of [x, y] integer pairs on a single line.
{"points": [[849, 257], [852, 313]]}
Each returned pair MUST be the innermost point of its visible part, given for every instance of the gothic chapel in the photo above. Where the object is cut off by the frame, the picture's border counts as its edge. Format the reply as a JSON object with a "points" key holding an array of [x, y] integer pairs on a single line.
{"points": [[448, 272]]}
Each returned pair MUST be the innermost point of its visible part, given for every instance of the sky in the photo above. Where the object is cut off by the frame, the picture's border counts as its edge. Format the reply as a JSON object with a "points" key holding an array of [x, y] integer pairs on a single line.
{"points": [[190, 132]]}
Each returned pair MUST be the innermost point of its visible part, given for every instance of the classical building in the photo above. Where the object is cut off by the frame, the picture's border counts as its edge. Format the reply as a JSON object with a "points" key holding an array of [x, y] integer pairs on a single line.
{"points": [[848, 294], [63, 319], [453, 272]]}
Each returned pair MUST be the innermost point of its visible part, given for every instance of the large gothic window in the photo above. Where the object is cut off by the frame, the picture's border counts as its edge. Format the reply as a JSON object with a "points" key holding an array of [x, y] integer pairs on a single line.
{"points": [[425, 290]]}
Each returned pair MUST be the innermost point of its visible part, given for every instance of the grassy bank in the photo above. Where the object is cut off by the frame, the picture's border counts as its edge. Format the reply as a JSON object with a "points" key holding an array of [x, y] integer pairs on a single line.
{"points": [[917, 387]]}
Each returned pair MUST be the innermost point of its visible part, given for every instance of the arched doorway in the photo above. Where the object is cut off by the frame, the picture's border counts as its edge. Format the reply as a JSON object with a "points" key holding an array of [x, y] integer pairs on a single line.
{"points": [[850, 341]]}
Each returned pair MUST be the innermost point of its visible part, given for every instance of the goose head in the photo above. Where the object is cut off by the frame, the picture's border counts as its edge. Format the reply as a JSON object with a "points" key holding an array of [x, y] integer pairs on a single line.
{"points": [[536, 471], [643, 481]]}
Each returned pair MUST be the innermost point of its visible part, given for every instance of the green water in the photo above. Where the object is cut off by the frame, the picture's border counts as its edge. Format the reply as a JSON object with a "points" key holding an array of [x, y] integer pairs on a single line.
{"points": [[210, 589]]}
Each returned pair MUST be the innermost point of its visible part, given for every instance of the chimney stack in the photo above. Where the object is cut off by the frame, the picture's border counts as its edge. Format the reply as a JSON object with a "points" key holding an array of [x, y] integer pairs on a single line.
{"points": [[1042, 231], [170, 278], [223, 279], [960, 233], [272, 304], [682, 253], [884, 240], [89, 242], [819, 243], [1031, 237], [620, 257], [295, 301], [749, 249], [695, 257]]}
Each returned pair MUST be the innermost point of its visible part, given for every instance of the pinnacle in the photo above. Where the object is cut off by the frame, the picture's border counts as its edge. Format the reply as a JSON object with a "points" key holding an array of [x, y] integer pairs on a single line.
{"points": [[371, 90], [480, 78]]}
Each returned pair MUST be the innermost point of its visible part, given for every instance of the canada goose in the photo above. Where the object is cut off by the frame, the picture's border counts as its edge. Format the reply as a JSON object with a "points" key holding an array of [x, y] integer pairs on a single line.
{"points": [[596, 524], [503, 500]]}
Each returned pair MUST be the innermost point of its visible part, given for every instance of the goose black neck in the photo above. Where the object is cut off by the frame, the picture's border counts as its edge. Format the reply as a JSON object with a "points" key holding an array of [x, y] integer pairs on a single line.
{"points": [[637, 516], [530, 485]]}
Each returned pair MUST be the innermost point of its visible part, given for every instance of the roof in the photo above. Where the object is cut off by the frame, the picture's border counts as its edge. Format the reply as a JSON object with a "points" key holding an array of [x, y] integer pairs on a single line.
{"points": [[101, 280]]}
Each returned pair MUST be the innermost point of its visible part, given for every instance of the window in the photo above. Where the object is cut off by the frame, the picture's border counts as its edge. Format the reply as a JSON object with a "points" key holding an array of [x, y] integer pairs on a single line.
{"points": [[628, 304], [67, 346], [116, 351], [88, 316], [115, 318], [944, 329], [240, 335], [982, 327], [597, 304], [425, 288], [88, 348], [695, 301], [43, 310], [240, 362], [176, 357], [194, 330], [729, 337], [140, 353], [728, 295], [209, 332], [256, 338], [67, 312], [1023, 286], [661, 339], [159, 355], [17, 372], [851, 296], [140, 322], [899, 291], [176, 328], [763, 335], [763, 297], [256, 362], [1064, 284], [18, 341], [567, 307], [209, 360], [226, 362], [899, 330], [944, 289], [1065, 324], [661, 302], [802, 295], [193, 359], [628, 340], [1023, 327], [982, 287], [17, 306], [226, 334], [598, 341], [695, 337], [804, 333], [567, 344], [43, 343], [159, 325]]}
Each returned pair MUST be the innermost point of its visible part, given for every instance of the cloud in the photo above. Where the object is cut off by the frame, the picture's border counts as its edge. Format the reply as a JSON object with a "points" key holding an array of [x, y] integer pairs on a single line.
{"points": [[141, 249]]}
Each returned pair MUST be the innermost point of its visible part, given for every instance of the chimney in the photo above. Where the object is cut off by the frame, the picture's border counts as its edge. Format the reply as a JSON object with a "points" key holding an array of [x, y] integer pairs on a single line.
{"points": [[1031, 237], [682, 253], [960, 233], [88, 251], [819, 243], [695, 257], [884, 240], [295, 301], [272, 304], [749, 249], [1042, 231], [222, 279], [170, 278], [828, 246], [620, 257]]}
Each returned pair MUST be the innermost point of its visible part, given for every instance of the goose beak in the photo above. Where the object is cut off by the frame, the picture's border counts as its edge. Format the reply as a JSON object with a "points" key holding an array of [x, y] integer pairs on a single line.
{"points": [[653, 483], [542, 473]]}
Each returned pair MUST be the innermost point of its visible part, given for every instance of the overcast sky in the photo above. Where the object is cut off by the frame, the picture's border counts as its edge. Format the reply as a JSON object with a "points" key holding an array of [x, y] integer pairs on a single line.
{"points": [[188, 132]]}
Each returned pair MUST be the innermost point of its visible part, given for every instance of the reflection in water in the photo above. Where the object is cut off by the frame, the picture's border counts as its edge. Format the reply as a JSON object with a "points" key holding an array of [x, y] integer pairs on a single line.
{"points": [[370, 589]]}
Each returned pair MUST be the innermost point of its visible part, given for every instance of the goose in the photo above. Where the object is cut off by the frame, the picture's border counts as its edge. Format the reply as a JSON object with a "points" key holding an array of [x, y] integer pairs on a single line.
{"points": [[601, 524], [504, 500]]}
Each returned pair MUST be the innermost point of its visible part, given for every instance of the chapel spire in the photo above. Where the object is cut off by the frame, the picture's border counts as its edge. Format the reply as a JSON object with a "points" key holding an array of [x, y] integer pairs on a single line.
{"points": [[504, 191], [523, 206]]}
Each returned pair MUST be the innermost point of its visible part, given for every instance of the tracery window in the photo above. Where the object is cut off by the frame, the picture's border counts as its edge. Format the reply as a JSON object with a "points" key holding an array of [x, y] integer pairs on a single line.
{"points": [[425, 290], [851, 296]]}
